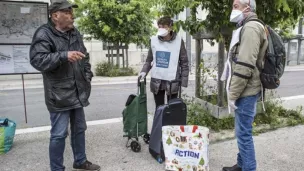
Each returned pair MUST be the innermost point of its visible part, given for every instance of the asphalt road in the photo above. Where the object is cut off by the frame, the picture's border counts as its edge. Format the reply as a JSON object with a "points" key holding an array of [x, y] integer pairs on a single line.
{"points": [[107, 101]]}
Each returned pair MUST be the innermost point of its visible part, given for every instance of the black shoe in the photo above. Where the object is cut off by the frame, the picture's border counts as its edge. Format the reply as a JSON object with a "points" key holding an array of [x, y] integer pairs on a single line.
{"points": [[233, 168], [86, 166]]}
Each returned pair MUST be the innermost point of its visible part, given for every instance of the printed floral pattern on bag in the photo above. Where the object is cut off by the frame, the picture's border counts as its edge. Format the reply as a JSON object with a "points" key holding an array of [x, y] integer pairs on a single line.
{"points": [[186, 148]]}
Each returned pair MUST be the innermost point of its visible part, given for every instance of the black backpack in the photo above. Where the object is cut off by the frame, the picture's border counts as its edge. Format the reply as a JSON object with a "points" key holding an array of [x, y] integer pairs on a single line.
{"points": [[274, 60]]}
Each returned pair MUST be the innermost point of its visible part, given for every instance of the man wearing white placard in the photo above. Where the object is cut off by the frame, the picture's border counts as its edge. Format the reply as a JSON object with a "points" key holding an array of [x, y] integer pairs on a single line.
{"points": [[167, 59]]}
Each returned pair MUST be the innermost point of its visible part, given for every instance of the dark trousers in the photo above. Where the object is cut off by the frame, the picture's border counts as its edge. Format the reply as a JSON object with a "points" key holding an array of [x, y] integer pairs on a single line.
{"points": [[159, 98]]}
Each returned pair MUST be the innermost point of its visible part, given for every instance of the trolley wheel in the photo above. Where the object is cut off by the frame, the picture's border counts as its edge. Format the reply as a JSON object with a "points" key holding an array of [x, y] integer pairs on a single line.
{"points": [[146, 138], [135, 146]]}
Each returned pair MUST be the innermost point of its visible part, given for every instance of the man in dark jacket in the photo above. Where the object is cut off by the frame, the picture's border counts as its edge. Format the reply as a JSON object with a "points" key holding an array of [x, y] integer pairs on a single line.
{"points": [[167, 59], [58, 51]]}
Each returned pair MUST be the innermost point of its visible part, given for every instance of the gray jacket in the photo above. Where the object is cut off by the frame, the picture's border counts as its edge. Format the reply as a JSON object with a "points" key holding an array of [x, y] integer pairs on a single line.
{"points": [[182, 70]]}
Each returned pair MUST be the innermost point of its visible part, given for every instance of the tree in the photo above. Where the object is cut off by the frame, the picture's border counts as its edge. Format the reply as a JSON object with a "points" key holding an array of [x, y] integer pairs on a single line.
{"points": [[280, 14], [115, 21], [202, 161], [169, 141]]}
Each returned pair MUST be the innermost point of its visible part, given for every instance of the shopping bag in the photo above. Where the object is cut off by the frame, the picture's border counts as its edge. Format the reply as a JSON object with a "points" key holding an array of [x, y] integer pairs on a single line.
{"points": [[186, 148], [7, 134]]}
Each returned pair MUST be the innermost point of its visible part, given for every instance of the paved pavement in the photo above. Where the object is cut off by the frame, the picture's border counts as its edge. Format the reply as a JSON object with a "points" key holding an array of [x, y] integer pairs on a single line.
{"points": [[280, 150]]}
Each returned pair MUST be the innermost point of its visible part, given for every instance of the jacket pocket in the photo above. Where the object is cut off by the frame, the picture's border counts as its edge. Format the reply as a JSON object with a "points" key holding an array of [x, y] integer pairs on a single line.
{"points": [[63, 92]]}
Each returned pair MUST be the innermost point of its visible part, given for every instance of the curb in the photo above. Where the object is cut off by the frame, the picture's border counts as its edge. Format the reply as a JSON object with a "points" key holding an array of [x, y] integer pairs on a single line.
{"points": [[30, 84]]}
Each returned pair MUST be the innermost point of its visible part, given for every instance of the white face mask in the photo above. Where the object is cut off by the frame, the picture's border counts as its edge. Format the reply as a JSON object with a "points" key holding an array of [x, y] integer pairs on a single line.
{"points": [[236, 16], [162, 32]]}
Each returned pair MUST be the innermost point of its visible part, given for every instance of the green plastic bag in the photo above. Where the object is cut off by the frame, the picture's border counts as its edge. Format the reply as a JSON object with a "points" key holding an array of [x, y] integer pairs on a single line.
{"points": [[7, 134]]}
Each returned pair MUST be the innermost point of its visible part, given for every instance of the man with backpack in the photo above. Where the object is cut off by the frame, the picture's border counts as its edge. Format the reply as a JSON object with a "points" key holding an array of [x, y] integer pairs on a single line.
{"points": [[246, 55]]}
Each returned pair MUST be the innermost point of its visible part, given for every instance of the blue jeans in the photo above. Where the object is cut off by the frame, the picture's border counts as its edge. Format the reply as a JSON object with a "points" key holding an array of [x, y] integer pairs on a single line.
{"points": [[244, 117], [59, 132]]}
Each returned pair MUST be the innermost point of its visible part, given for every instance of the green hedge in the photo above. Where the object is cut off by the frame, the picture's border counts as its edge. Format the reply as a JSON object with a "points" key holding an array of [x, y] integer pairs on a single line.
{"points": [[109, 70]]}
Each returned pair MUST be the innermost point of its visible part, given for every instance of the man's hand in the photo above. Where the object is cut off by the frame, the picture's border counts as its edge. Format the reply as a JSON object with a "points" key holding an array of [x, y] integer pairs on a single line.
{"points": [[73, 56]]}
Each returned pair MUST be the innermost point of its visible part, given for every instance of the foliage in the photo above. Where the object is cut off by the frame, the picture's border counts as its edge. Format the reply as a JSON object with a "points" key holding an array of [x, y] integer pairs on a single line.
{"points": [[208, 88], [110, 70], [115, 21], [274, 117], [281, 14]]}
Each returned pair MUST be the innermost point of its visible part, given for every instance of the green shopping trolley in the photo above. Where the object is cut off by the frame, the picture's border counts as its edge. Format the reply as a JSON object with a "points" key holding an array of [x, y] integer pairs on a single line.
{"points": [[135, 117]]}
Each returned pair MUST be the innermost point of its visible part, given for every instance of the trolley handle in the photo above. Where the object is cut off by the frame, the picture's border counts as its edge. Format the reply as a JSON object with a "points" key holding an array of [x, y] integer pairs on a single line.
{"points": [[179, 81], [139, 82]]}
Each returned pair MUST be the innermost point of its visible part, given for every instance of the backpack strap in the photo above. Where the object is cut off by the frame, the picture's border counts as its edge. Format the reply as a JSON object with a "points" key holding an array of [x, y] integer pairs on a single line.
{"points": [[256, 20]]}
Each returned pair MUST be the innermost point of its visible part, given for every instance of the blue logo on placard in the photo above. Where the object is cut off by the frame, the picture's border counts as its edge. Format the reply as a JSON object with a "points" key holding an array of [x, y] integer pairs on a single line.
{"points": [[162, 59]]}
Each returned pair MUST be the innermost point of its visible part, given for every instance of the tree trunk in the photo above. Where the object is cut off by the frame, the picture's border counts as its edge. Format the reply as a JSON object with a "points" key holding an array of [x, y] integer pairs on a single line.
{"points": [[198, 51], [127, 56], [221, 63], [117, 53]]}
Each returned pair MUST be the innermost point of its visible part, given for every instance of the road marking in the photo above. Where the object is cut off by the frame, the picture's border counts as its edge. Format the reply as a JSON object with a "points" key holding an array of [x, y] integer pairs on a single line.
{"points": [[114, 120], [33, 130], [48, 128], [292, 97]]}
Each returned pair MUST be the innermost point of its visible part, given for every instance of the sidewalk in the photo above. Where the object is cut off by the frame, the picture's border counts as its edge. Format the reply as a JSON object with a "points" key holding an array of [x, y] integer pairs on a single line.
{"points": [[11, 82], [280, 150], [37, 82]]}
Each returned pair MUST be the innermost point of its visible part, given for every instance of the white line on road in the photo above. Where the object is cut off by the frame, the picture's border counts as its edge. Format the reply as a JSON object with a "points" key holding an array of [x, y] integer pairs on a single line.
{"points": [[47, 128], [114, 120], [292, 97]]}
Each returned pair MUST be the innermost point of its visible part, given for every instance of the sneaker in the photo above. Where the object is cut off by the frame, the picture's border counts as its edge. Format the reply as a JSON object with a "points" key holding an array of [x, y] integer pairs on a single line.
{"points": [[86, 166], [233, 168]]}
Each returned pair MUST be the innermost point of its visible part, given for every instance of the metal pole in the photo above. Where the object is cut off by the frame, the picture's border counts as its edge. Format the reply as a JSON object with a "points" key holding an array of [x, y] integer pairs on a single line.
{"points": [[24, 102], [198, 50], [300, 31], [220, 84], [188, 41]]}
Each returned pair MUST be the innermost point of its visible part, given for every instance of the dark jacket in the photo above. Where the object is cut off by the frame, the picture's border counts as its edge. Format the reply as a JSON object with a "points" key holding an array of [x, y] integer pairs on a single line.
{"points": [[66, 85], [182, 70]]}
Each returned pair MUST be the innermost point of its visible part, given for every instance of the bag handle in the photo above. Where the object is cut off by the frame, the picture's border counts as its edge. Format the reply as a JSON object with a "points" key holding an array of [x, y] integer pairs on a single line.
{"points": [[4, 123], [194, 128], [139, 84]]}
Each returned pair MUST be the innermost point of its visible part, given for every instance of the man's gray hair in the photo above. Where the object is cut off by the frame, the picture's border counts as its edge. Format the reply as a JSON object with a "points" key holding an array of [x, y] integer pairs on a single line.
{"points": [[251, 4]]}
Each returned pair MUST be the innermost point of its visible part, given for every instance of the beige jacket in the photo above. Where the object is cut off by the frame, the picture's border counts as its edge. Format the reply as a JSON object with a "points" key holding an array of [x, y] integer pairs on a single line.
{"points": [[247, 57]]}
